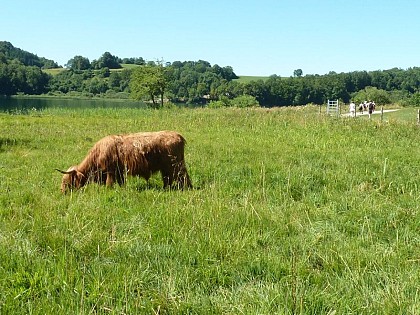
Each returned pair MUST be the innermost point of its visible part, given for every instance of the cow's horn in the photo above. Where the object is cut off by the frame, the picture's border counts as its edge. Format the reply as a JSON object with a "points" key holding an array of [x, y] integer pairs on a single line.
{"points": [[63, 172]]}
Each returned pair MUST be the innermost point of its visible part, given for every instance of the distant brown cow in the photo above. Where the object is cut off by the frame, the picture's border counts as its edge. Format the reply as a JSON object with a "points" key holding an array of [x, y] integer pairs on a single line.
{"points": [[139, 154]]}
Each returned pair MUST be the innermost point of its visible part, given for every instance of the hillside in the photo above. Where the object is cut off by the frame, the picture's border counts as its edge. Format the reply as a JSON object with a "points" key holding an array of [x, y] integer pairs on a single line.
{"points": [[26, 58], [197, 82]]}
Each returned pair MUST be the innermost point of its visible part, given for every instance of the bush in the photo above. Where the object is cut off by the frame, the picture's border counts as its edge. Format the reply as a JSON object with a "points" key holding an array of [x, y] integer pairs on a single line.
{"points": [[224, 101], [242, 101], [414, 100], [380, 97], [245, 101], [216, 104]]}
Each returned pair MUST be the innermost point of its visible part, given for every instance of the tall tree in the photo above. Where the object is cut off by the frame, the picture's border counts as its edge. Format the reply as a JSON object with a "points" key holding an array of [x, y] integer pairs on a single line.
{"points": [[298, 73], [78, 63], [149, 83], [107, 60]]}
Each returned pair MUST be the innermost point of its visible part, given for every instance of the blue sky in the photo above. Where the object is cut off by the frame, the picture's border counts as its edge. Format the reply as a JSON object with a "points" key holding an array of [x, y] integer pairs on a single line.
{"points": [[254, 37]]}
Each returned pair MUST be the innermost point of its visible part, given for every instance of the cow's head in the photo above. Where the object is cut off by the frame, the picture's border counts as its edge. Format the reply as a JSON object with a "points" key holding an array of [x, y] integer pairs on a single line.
{"points": [[72, 179]]}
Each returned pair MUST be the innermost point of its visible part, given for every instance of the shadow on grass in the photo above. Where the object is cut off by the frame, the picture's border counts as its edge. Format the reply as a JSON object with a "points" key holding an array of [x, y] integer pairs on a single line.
{"points": [[156, 186]]}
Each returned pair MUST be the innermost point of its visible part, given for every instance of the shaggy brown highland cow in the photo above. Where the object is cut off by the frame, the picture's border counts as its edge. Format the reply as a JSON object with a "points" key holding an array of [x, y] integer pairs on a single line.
{"points": [[139, 154]]}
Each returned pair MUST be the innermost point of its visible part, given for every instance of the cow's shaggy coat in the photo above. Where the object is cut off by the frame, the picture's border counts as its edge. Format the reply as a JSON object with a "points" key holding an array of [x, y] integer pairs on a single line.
{"points": [[139, 154]]}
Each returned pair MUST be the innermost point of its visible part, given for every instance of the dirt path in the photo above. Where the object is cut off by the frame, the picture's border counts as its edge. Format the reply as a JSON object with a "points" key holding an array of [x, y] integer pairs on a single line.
{"points": [[366, 113]]}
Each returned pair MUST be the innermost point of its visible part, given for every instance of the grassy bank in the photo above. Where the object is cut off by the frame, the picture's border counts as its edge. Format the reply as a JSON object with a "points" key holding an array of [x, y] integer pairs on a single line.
{"points": [[292, 212]]}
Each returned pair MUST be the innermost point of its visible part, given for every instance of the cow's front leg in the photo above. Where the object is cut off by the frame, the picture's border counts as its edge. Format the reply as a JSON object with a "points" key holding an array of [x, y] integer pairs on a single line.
{"points": [[110, 179]]}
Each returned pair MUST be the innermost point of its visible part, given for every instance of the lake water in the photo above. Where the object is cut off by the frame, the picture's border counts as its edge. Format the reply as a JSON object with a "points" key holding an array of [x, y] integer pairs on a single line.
{"points": [[8, 104]]}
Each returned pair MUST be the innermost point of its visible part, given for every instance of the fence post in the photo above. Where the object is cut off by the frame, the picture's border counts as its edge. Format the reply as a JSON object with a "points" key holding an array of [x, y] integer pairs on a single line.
{"points": [[382, 113], [418, 116]]}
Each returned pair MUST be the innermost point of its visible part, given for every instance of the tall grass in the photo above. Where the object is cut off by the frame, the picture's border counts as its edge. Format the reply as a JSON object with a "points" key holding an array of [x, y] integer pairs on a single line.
{"points": [[293, 212]]}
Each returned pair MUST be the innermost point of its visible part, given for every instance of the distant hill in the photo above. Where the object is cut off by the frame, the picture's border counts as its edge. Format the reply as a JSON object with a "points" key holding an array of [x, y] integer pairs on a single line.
{"points": [[26, 58]]}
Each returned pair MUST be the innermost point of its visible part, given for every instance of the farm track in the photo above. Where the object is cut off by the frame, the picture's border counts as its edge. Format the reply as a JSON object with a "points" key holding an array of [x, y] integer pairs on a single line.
{"points": [[365, 113]]}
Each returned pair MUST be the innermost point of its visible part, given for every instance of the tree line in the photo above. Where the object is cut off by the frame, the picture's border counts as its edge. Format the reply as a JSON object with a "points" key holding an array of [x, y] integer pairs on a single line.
{"points": [[196, 81], [9, 52], [200, 82]]}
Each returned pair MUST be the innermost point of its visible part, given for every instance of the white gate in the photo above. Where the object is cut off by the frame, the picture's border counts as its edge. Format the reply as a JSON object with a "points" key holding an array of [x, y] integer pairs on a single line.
{"points": [[333, 108]]}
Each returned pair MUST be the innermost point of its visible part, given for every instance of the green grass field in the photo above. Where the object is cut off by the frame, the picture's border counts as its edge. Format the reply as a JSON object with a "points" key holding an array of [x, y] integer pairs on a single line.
{"points": [[247, 78], [56, 71], [292, 212]]}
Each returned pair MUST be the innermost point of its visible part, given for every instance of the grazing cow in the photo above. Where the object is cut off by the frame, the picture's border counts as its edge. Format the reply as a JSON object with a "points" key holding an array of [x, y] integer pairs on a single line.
{"points": [[139, 154]]}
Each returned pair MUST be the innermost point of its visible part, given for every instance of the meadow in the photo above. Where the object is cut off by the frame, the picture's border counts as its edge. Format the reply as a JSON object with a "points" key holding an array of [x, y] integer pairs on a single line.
{"points": [[247, 78], [292, 212]]}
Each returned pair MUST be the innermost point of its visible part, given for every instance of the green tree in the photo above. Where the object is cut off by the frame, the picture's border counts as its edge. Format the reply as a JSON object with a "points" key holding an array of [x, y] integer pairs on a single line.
{"points": [[114, 81], [149, 83], [257, 89], [380, 97], [103, 72], [134, 61], [228, 73], [96, 86], [298, 73], [36, 81], [414, 100], [78, 63], [106, 61], [6, 86]]}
